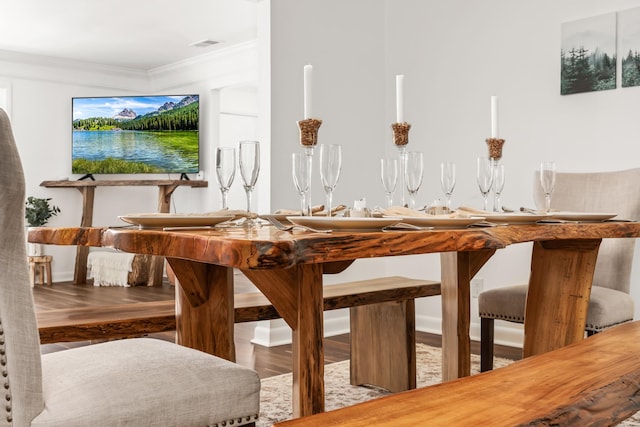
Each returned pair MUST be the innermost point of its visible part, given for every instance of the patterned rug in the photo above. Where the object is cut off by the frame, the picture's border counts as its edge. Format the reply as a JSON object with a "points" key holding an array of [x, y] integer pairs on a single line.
{"points": [[275, 401]]}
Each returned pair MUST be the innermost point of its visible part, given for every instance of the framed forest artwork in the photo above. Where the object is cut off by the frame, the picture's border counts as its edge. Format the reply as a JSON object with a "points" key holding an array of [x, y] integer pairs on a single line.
{"points": [[588, 55], [629, 21]]}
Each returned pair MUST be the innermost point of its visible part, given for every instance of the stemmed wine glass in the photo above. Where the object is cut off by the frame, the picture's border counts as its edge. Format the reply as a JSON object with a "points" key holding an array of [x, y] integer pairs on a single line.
{"points": [[498, 186], [225, 170], [484, 176], [389, 175], [448, 180], [414, 171], [330, 167], [300, 172], [249, 169], [548, 182]]}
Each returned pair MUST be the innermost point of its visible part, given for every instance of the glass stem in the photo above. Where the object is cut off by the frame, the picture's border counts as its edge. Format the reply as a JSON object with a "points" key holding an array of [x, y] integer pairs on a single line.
{"points": [[306, 210], [486, 201], [248, 191], [224, 199], [547, 202], [329, 201], [389, 200], [303, 204]]}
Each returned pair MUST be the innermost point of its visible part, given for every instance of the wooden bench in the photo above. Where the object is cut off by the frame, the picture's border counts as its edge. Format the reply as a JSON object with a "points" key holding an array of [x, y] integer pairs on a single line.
{"points": [[382, 315], [592, 382]]}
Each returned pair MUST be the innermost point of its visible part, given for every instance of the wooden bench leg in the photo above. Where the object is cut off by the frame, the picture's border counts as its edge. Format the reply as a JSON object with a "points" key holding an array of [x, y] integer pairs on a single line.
{"points": [[383, 345]]}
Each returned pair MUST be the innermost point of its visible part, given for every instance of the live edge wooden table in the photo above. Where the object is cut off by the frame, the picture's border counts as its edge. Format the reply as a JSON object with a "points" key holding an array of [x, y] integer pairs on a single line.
{"points": [[87, 188], [288, 267]]}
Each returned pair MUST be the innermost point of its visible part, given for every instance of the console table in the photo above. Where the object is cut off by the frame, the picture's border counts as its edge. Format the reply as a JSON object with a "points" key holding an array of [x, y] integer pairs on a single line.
{"points": [[88, 188]]}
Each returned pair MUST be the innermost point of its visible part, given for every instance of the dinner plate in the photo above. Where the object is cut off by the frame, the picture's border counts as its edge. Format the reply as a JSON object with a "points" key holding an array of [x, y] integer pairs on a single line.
{"points": [[344, 223], [441, 222], [515, 218], [582, 216], [159, 220]]}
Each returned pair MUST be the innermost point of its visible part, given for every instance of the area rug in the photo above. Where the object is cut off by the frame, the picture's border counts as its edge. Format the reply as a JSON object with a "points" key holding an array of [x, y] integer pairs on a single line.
{"points": [[275, 396]]}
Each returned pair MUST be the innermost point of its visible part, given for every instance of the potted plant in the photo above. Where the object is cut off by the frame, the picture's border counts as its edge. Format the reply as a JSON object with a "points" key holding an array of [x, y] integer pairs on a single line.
{"points": [[38, 211]]}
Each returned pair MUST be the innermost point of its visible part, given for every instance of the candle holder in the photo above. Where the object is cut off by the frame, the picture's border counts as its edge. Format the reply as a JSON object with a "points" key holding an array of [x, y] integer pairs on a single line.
{"points": [[495, 148], [309, 132], [401, 139], [308, 139]]}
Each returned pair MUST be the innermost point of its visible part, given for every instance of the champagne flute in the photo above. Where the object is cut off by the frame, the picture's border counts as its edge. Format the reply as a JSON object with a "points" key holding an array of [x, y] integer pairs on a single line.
{"points": [[300, 172], [448, 180], [548, 182], [389, 175], [249, 169], [498, 186], [330, 167], [484, 176], [225, 170], [414, 171]]}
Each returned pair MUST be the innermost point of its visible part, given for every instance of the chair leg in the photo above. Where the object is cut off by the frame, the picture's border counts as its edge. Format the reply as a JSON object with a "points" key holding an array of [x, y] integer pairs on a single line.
{"points": [[486, 344]]}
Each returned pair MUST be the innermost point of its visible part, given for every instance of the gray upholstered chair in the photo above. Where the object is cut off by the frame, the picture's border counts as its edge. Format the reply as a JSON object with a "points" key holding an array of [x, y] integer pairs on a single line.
{"points": [[610, 302], [134, 382]]}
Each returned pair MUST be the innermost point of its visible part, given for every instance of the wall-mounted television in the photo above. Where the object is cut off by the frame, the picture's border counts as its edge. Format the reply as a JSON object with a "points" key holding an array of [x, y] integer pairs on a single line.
{"points": [[135, 134]]}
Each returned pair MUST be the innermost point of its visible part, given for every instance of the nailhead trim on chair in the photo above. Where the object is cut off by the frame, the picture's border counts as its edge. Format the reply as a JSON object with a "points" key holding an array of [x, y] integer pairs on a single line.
{"points": [[249, 418], [501, 317], [5, 375]]}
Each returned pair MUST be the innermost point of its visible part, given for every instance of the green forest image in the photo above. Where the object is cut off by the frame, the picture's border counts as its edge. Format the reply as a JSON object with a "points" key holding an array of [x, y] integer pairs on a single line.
{"points": [[588, 55], [629, 22], [583, 71], [127, 135]]}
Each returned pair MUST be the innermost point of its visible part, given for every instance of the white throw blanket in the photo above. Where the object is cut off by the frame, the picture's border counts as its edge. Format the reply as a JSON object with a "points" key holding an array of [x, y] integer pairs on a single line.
{"points": [[110, 268]]}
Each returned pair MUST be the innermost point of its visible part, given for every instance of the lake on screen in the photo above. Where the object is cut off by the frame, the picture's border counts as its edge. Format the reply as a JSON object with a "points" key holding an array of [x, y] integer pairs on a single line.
{"points": [[175, 150]]}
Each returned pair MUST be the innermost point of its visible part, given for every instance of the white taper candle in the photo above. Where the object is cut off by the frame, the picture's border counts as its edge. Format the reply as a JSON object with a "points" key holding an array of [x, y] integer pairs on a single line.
{"points": [[308, 80], [400, 98], [494, 116]]}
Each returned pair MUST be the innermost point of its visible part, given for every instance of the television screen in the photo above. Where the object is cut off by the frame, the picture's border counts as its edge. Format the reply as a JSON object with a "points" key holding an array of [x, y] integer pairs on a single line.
{"points": [[136, 134]]}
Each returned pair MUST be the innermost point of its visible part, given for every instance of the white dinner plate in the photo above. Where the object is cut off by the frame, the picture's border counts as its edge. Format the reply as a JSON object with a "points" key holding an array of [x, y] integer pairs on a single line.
{"points": [[159, 220], [344, 223], [515, 218], [582, 216], [441, 222]]}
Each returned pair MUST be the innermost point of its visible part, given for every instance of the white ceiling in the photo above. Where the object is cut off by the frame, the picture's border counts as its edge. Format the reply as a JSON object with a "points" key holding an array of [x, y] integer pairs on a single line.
{"points": [[136, 34]]}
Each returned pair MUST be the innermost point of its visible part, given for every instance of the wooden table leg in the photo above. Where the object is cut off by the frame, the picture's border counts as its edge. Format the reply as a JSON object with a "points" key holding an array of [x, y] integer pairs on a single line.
{"points": [[297, 295], [82, 252], [559, 292], [457, 270], [204, 307]]}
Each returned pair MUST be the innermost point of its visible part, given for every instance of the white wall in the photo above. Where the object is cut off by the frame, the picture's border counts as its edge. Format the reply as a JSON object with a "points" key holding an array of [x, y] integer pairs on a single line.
{"points": [[455, 55]]}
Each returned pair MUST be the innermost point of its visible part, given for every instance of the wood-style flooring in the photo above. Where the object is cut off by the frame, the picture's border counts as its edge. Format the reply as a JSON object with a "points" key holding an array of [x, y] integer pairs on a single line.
{"points": [[267, 361]]}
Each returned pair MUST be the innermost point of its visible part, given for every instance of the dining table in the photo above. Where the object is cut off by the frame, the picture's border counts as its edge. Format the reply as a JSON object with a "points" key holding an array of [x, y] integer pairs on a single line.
{"points": [[288, 268]]}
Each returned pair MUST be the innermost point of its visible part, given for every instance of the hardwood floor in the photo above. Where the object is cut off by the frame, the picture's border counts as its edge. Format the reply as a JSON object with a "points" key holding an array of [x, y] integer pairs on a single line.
{"points": [[267, 361]]}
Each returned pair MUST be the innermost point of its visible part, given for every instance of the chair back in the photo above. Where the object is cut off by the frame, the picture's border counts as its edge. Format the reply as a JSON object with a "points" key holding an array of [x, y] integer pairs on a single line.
{"points": [[615, 192], [20, 368]]}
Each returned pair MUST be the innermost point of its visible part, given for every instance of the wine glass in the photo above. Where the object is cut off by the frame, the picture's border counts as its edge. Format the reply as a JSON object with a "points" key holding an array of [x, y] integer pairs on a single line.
{"points": [[389, 175], [249, 169], [548, 182], [225, 170], [448, 180], [300, 172], [484, 176], [330, 167], [498, 186], [414, 171]]}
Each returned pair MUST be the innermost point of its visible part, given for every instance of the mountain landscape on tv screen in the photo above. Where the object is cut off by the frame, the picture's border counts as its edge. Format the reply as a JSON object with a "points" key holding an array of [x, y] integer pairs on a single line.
{"points": [[152, 134]]}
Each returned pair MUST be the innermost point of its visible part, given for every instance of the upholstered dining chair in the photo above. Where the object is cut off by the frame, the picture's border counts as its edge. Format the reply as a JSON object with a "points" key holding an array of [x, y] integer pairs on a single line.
{"points": [[610, 302], [133, 382]]}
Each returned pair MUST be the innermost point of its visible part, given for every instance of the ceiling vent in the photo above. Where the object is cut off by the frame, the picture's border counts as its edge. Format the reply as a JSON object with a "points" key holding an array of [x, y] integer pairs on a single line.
{"points": [[204, 43]]}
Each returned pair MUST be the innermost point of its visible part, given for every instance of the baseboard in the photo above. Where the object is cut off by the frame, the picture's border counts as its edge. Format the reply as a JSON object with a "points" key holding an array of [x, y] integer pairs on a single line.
{"points": [[276, 332]]}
